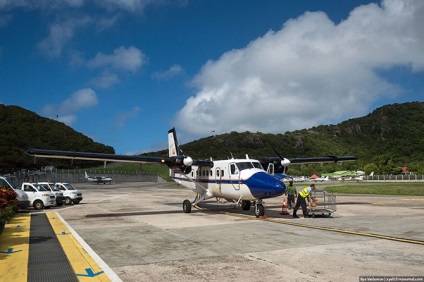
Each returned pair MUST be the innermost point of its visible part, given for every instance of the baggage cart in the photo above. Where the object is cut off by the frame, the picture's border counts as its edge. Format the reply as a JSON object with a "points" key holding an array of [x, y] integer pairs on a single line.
{"points": [[325, 204]]}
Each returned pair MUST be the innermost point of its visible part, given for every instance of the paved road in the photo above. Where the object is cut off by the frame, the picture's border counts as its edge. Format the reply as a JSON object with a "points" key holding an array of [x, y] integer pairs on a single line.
{"points": [[140, 231]]}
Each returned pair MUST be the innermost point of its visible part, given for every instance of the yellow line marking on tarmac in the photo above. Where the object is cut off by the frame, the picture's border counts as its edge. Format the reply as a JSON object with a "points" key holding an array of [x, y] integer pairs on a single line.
{"points": [[413, 199], [81, 262], [14, 249], [404, 240]]}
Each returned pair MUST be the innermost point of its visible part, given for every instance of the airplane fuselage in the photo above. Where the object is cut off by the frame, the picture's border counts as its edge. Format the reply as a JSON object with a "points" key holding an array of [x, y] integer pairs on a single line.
{"points": [[234, 179], [99, 180]]}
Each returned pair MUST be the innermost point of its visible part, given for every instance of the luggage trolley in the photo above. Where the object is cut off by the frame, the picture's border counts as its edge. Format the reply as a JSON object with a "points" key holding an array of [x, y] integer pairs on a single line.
{"points": [[325, 205]]}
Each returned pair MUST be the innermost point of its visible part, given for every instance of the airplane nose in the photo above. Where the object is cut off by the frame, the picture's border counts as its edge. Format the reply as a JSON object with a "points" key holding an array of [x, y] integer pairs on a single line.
{"points": [[263, 185]]}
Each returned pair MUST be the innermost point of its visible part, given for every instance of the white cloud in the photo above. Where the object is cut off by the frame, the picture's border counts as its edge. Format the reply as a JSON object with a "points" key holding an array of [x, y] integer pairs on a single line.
{"points": [[5, 19], [121, 119], [39, 4], [60, 33], [106, 23], [105, 80], [67, 109], [174, 70], [310, 72], [129, 5], [128, 59]]}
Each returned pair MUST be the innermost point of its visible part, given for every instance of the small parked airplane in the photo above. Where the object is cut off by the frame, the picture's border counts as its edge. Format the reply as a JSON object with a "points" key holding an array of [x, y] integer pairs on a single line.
{"points": [[320, 179], [99, 179], [243, 181], [299, 179], [359, 178]]}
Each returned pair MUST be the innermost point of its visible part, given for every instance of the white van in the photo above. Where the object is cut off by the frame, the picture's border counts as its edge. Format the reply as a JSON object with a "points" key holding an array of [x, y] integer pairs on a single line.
{"points": [[39, 197], [71, 194], [52, 188], [23, 200]]}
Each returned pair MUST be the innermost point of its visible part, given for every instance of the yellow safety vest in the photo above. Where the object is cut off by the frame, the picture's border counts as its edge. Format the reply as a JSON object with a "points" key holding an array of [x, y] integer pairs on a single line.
{"points": [[304, 193]]}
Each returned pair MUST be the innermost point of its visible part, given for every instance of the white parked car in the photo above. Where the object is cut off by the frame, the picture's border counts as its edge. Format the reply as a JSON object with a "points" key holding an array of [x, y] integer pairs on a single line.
{"points": [[71, 194], [39, 197], [23, 200], [60, 199]]}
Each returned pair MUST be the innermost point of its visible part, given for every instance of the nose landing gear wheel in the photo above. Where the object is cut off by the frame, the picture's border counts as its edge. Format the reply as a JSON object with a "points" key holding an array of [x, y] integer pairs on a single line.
{"points": [[259, 210]]}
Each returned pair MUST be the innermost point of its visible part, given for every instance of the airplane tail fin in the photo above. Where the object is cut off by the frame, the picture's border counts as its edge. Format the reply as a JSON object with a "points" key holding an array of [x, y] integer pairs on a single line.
{"points": [[86, 175], [177, 157], [173, 148]]}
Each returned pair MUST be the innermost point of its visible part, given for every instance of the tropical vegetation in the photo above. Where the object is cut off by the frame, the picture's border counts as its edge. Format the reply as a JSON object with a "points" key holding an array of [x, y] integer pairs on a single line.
{"points": [[8, 206], [386, 140]]}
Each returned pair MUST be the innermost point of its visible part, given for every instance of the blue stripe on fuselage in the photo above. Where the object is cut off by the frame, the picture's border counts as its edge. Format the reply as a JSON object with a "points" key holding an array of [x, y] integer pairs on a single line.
{"points": [[262, 186]]}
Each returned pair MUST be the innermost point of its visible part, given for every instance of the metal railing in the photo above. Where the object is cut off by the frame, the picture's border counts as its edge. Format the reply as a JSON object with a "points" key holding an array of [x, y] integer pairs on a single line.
{"points": [[398, 177], [78, 176]]}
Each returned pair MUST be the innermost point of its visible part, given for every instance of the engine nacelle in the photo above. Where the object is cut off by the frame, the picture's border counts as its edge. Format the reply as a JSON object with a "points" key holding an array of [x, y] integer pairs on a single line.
{"points": [[285, 162], [185, 169], [188, 161]]}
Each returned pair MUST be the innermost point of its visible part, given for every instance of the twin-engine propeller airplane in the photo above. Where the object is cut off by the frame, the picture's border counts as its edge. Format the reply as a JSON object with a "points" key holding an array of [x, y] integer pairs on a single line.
{"points": [[98, 179], [243, 181]]}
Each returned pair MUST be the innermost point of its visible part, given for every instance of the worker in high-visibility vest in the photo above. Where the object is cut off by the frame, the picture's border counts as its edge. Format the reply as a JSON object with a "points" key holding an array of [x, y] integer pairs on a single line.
{"points": [[303, 195], [291, 194]]}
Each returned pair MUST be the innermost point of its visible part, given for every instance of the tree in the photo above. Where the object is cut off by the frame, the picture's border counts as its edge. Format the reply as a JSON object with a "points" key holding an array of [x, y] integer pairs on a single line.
{"points": [[371, 167]]}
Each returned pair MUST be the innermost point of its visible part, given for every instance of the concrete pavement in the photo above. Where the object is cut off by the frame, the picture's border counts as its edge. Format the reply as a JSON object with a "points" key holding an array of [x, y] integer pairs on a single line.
{"points": [[140, 232]]}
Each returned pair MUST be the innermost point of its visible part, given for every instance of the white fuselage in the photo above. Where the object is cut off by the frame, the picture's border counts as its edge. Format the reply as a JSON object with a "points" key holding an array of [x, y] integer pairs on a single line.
{"points": [[234, 179]]}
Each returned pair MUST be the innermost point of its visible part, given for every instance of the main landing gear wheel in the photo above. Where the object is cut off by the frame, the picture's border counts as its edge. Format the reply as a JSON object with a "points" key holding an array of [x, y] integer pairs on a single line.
{"points": [[245, 205], [259, 210], [187, 206]]}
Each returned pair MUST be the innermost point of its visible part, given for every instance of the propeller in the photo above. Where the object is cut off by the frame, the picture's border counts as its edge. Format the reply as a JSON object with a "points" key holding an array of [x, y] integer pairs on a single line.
{"points": [[284, 161]]}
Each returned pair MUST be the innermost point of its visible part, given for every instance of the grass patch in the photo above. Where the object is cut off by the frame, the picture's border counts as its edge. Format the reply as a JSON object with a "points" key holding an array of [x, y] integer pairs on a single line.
{"points": [[378, 188], [386, 188]]}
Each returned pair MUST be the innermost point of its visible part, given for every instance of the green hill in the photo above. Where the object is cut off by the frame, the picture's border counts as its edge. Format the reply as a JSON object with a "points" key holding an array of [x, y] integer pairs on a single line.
{"points": [[22, 129], [385, 140]]}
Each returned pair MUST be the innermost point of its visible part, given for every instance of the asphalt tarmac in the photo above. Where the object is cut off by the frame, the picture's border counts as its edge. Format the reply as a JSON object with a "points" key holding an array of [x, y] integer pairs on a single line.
{"points": [[141, 233]]}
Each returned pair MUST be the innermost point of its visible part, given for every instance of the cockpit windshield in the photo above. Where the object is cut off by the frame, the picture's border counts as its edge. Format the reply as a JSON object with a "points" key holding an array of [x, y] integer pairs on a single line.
{"points": [[246, 165], [257, 165]]}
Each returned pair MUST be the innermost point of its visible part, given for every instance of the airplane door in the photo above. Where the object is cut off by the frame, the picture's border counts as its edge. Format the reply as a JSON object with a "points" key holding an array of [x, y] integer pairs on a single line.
{"points": [[234, 176], [218, 179]]}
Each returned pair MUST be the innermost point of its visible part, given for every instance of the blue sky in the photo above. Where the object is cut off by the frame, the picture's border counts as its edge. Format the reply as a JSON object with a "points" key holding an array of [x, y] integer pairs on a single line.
{"points": [[123, 72]]}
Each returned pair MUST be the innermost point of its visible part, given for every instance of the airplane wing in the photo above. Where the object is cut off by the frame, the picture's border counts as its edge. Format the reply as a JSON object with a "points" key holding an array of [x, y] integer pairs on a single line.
{"points": [[93, 156], [280, 163], [325, 159], [174, 161]]}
